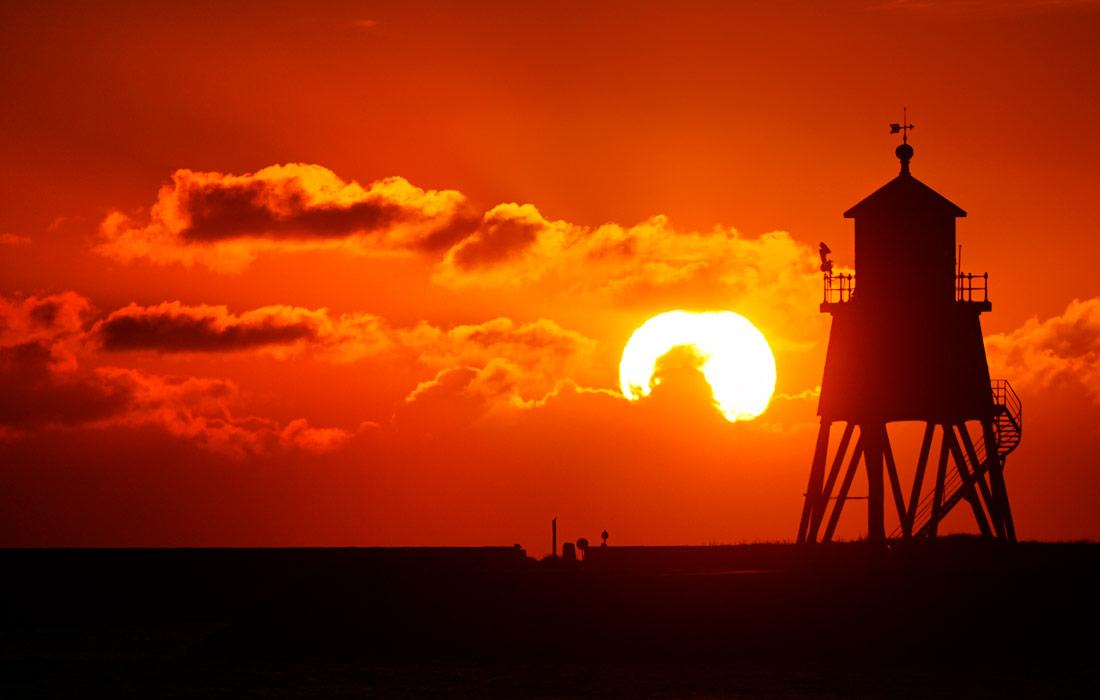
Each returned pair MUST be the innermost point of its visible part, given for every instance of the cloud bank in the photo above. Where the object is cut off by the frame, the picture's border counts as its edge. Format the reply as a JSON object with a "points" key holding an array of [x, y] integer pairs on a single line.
{"points": [[1040, 354], [44, 388], [224, 221]]}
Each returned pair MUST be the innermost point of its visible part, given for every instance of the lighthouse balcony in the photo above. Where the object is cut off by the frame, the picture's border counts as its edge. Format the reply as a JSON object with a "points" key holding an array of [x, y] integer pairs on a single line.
{"points": [[970, 289]]}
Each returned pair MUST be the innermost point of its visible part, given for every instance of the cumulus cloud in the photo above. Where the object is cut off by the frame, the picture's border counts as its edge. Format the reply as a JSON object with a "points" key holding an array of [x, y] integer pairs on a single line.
{"points": [[542, 351], [771, 276], [37, 393], [43, 388], [40, 318], [173, 327], [1040, 354], [500, 362], [223, 220], [458, 397], [622, 261], [511, 245], [461, 397], [198, 409], [54, 322]]}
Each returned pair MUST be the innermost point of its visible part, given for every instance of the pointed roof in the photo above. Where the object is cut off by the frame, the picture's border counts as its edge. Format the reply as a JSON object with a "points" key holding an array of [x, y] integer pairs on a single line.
{"points": [[905, 195]]}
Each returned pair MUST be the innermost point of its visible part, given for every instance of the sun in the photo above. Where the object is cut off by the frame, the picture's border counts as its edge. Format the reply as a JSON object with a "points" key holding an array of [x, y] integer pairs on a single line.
{"points": [[737, 362]]}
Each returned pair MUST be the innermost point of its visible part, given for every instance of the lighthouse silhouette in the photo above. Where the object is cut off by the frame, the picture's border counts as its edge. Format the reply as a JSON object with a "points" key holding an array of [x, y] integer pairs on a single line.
{"points": [[906, 345]]}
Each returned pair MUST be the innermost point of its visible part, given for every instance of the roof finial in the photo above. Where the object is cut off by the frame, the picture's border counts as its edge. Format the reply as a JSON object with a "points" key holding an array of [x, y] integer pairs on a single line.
{"points": [[904, 152]]}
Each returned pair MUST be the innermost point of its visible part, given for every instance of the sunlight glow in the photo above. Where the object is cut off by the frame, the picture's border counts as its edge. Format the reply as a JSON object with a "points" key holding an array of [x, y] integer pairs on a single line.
{"points": [[738, 364]]}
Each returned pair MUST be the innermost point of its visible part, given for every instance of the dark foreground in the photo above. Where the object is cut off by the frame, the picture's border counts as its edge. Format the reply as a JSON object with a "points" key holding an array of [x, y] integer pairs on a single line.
{"points": [[956, 618]]}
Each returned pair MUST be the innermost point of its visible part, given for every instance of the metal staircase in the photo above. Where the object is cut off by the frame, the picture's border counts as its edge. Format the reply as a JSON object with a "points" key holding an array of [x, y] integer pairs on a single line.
{"points": [[1007, 417], [1007, 426]]}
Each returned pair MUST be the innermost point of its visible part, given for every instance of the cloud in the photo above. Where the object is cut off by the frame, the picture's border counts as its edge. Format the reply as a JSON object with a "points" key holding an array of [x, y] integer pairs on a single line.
{"points": [[198, 409], [42, 388], [651, 265], [223, 221], [542, 352], [10, 239], [620, 261], [63, 221], [38, 318], [37, 394], [54, 322], [173, 327], [509, 246], [512, 364], [1040, 354], [458, 397]]}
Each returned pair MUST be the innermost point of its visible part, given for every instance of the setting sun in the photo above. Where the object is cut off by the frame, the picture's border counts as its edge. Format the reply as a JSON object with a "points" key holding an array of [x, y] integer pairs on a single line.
{"points": [[734, 358]]}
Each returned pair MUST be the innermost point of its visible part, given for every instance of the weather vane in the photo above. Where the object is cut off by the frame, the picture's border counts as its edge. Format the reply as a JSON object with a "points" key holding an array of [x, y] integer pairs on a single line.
{"points": [[904, 127]]}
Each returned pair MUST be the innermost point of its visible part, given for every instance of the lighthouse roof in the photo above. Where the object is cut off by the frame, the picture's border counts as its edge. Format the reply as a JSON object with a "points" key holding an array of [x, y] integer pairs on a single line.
{"points": [[904, 195]]}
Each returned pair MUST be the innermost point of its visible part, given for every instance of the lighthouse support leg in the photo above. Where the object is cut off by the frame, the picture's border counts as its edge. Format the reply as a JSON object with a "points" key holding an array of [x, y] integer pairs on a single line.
{"points": [[873, 438], [842, 496], [997, 482], [937, 495], [814, 502], [980, 478], [895, 483], [834, 472], [918, 480], [967, 480]]}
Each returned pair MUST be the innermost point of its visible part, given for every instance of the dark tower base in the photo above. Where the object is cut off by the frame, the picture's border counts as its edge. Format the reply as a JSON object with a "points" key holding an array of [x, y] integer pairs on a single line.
{"points": [[975, 474]]}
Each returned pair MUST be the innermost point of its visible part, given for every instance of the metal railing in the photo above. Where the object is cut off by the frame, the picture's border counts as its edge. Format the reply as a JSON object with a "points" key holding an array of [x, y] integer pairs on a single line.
{"points": [[838, 289], [1005, 395], [967, 284]]}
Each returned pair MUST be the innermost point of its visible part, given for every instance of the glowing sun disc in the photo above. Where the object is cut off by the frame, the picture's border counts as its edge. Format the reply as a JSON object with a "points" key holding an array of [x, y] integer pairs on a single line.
{"points": [[737, 361]]}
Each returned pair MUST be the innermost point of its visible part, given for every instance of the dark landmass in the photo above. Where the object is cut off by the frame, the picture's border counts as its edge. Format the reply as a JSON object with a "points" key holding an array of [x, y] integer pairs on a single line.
{"points": [[957, 617]]}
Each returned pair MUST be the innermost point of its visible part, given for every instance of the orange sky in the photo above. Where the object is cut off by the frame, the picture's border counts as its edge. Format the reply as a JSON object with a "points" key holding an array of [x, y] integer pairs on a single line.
{"points": [[360, 273]]}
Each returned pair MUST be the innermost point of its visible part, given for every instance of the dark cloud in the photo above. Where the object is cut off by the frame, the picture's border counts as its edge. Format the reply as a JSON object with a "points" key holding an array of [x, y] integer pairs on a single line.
{"points": [[224, 220], [173, 327], [176, 328], [678, 382], [507, 231], [42, 387], [34, 395], [219, 211]]}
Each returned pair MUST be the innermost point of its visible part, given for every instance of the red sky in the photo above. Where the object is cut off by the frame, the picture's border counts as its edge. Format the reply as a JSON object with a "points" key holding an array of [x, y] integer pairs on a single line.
{"points": [[361, 274]]}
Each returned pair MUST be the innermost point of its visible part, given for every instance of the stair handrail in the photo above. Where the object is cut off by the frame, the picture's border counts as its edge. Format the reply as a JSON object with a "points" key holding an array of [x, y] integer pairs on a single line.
{"points": [[1005, 395]]}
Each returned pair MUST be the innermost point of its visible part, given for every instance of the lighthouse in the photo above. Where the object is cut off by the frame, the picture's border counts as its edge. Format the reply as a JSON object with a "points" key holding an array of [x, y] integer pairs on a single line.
{"points": [[906, 346]]}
